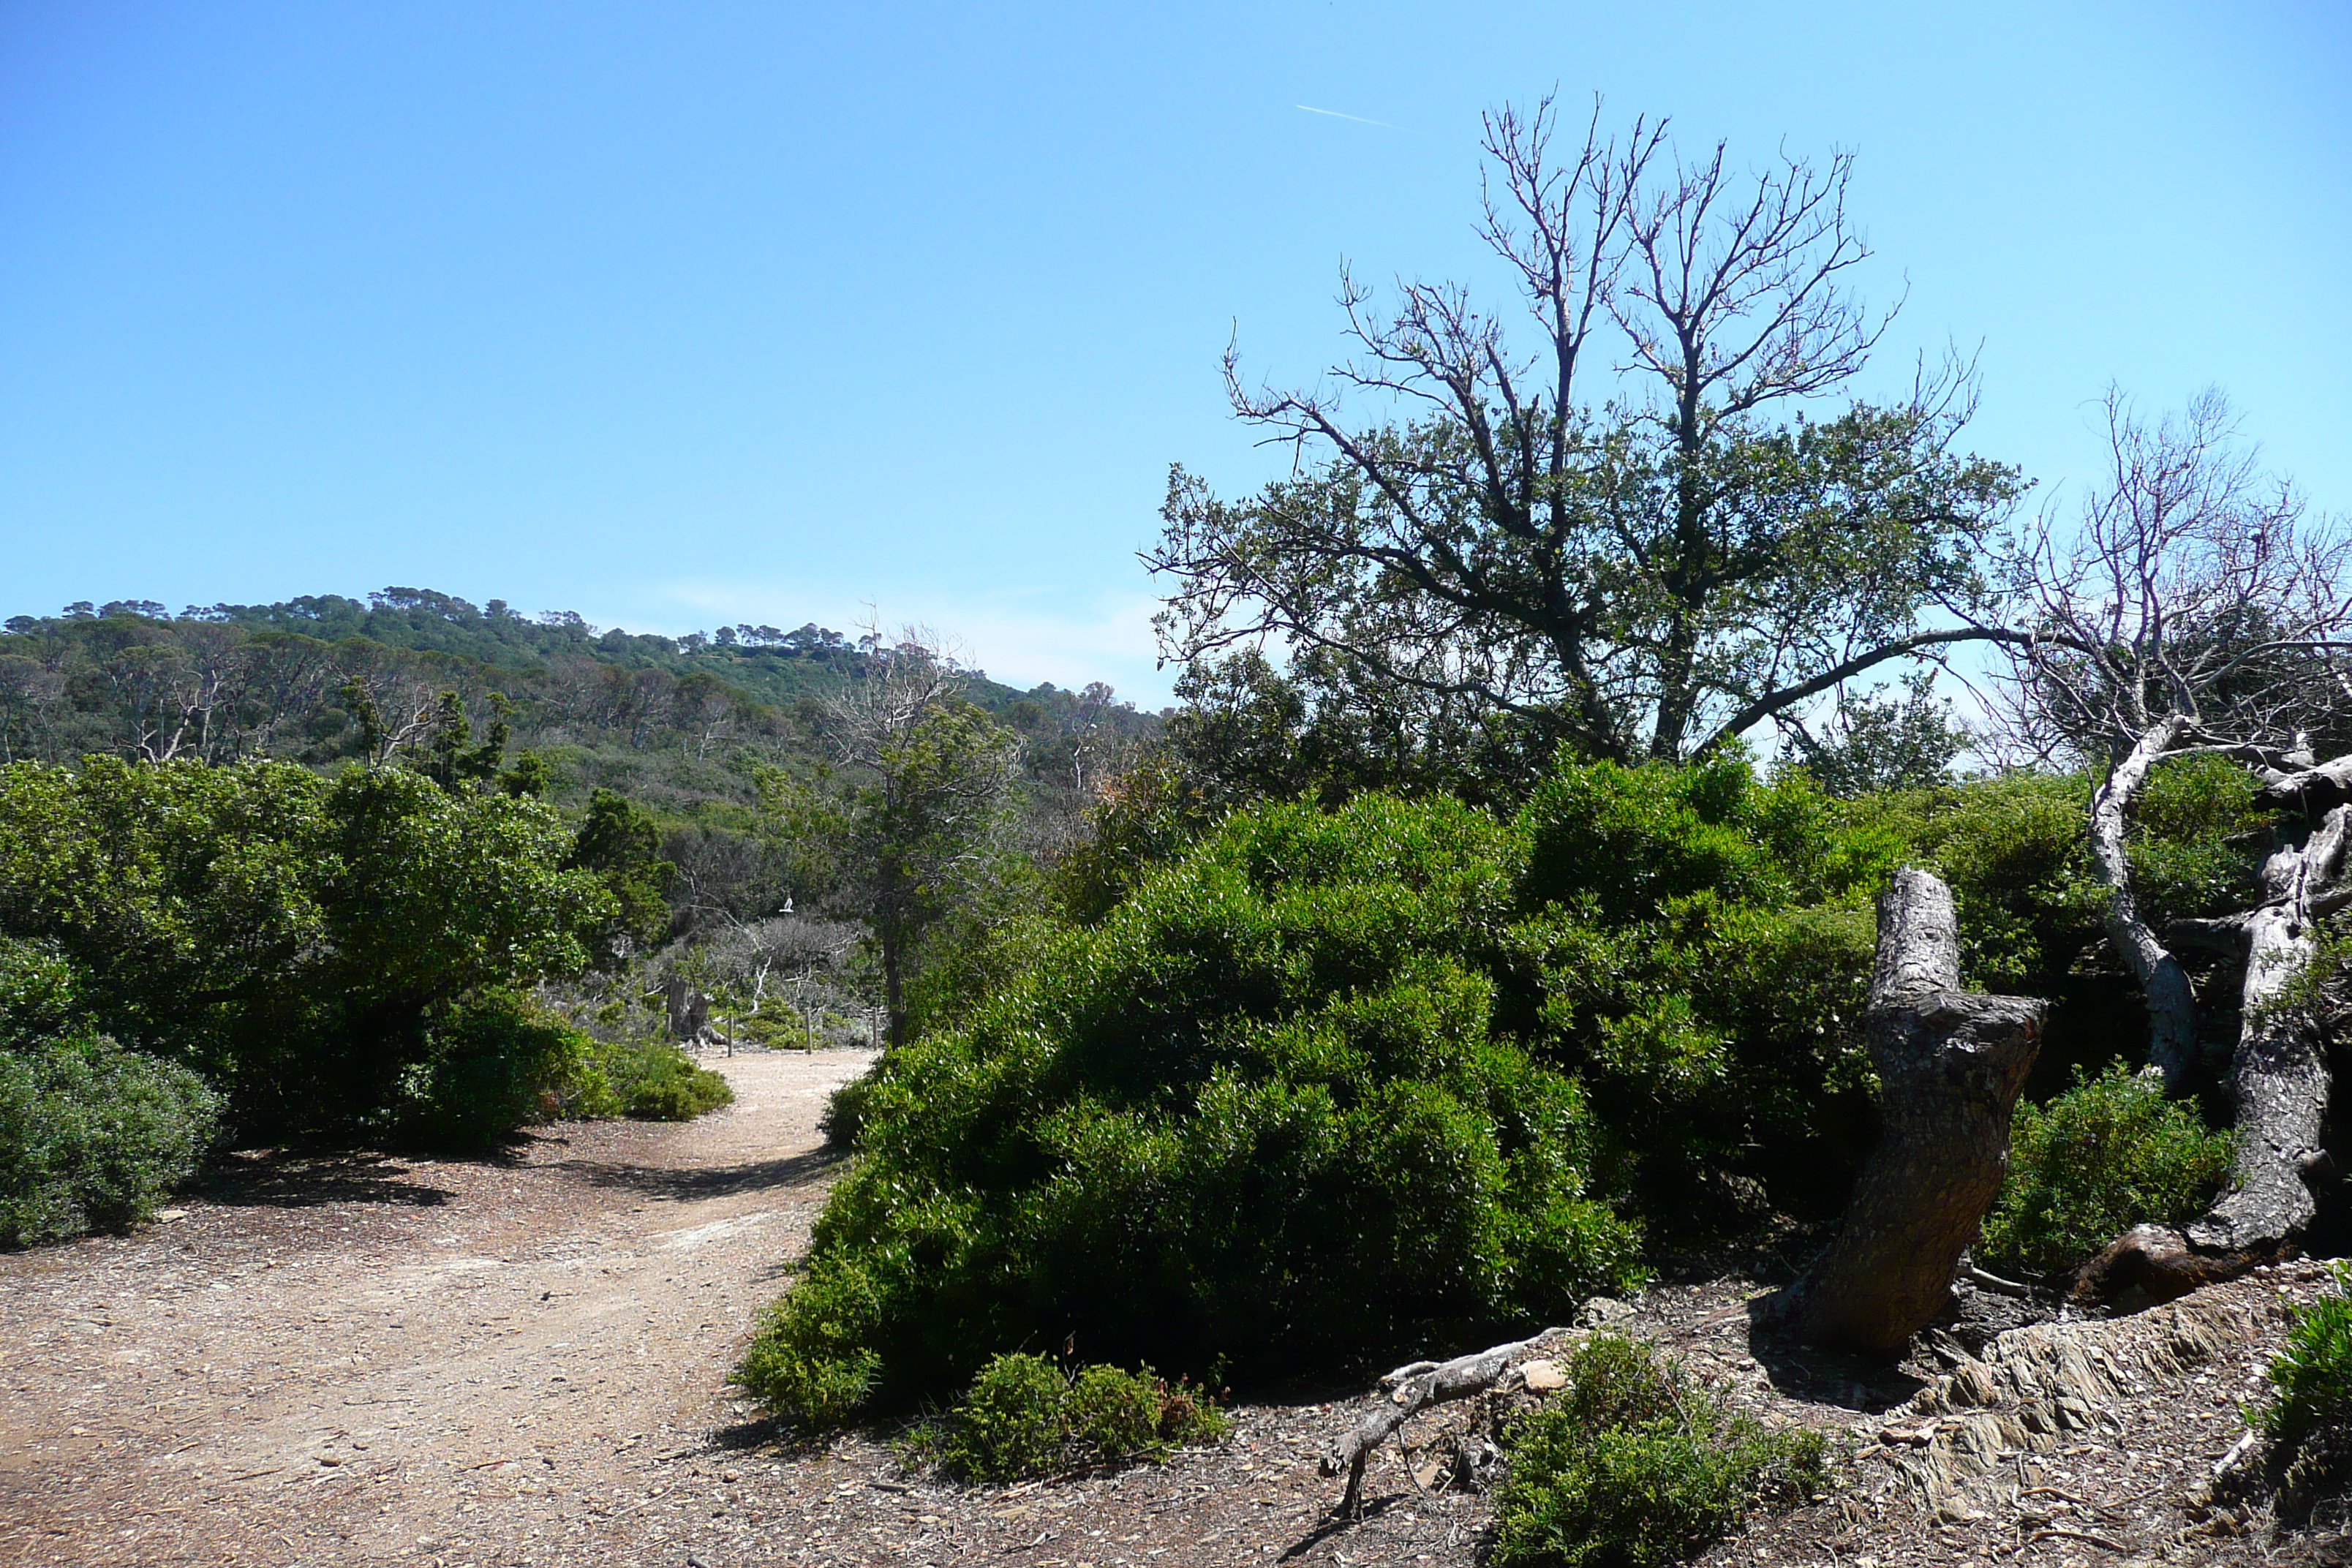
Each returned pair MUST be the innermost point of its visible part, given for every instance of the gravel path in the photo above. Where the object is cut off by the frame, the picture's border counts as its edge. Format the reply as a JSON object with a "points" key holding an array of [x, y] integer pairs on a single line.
{"points": [[366, 1359]]}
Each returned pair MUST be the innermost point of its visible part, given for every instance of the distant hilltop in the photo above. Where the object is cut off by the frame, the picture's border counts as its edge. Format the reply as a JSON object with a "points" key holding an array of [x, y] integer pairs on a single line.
{"points": [[221, 681]]}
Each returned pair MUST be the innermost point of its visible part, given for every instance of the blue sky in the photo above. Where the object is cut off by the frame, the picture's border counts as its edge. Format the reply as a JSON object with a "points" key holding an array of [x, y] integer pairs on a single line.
{"points": [[696, 314]]}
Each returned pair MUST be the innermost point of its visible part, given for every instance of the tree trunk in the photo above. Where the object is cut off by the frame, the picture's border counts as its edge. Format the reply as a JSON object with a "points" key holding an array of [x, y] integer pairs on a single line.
{"points": [[1949, 1065], [894, 993], [689, 1009], [2280, 1074], [2171, 1003]]}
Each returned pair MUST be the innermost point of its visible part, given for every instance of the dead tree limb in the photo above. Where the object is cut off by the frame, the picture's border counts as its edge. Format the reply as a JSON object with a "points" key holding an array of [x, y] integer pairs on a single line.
{"points": [[2280, 1073], [1417, 1387], [2163, 983], [1950, 1063]]}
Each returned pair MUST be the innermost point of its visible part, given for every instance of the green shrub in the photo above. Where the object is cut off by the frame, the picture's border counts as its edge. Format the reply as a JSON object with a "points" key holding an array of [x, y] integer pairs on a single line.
{"points": [[1326, 1084], [2309, 1423], [654, 1080], [2012, 849], [496, 1063], [1631, 1465], [844, 1112], [1013, 1423], [297, 938], [1702, 942], [1025, 1417], [2109, 1154], [810, 1358], [92, 1136], [1262, 1111]]}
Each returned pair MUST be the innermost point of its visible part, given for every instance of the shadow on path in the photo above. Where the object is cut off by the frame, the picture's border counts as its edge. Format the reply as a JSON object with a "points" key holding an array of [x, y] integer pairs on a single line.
{"points": [[272, 1179], [706, 1182], [1818, 1376]]}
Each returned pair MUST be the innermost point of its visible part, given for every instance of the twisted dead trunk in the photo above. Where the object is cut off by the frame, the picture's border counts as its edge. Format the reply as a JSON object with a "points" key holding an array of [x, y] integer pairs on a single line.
{"points": [[2171, 1003], [2280, 1073], [1950, 1064]]}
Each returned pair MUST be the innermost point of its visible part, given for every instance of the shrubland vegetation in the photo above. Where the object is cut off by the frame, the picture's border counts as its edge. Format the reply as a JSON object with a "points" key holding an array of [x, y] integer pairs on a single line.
{"points": [[2308, 1420], [1025, 1417], [1449, 954], [91, 1135], [2109, 1154], [1633, 1464], [412, 871], [1325, 1085]]}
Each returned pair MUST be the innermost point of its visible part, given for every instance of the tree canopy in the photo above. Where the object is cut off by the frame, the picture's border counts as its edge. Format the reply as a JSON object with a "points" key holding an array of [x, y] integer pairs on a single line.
{"points": [[1643, 574]]}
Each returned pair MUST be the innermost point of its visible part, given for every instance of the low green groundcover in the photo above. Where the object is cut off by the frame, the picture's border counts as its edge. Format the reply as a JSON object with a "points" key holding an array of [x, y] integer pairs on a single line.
{"points": [[1024, 1415], [1634, 1464]]}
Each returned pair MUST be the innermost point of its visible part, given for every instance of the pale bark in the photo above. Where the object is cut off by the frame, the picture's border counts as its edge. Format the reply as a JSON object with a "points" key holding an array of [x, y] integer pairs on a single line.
{"points": [[1417, 1387], [2171, 1003], [1950, 1064], [2280, 1073]]}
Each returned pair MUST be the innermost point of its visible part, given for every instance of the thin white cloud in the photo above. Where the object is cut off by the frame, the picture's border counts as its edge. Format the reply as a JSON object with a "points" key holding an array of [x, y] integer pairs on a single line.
{"points": [[1357, 118]]}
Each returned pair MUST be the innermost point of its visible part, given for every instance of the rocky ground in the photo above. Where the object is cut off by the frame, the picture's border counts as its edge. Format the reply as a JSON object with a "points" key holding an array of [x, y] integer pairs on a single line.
{"points": [[522, 1362]]}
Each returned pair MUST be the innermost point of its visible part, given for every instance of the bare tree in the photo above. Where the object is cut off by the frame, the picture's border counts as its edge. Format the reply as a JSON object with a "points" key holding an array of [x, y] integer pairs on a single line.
{"points": [[2197, 607], [1643, 577], [760, 956], [2194, 606]]}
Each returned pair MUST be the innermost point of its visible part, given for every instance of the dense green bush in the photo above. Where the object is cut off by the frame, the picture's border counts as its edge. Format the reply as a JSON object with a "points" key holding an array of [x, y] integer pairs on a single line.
{"points": [[844, 1116], [2014, 850], [1317, 1084], [1701, 943], [1261, 1111], [500, 1061], [2109, 1154], [494, 1062], [1632, 1465], [91, 1136], [654, 1080], [2309, 1422], [1334, 1084], [1024, 1416], [296, 939]]}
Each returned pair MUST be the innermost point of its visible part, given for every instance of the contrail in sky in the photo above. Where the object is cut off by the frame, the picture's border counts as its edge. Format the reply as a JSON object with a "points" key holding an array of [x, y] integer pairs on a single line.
{"points": [[1357, 118]]}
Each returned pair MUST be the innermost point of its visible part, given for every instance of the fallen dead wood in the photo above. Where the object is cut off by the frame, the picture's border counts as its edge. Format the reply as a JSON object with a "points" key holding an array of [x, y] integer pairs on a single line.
{"points": [[1416, 1388], [2055, 1533]]}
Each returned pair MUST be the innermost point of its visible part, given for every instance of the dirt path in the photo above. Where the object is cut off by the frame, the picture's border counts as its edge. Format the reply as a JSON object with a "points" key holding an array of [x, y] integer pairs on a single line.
{"points": [[370, 1360], [523, 1365]]}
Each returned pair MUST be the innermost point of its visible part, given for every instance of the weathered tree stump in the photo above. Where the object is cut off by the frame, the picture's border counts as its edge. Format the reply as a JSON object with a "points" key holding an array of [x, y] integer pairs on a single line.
{"points": [[1950, 1063], [689, 1009]]}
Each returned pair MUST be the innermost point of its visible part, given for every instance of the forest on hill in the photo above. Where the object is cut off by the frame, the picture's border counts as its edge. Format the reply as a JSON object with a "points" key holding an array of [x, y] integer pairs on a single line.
{"points": [[1562, 862]]}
